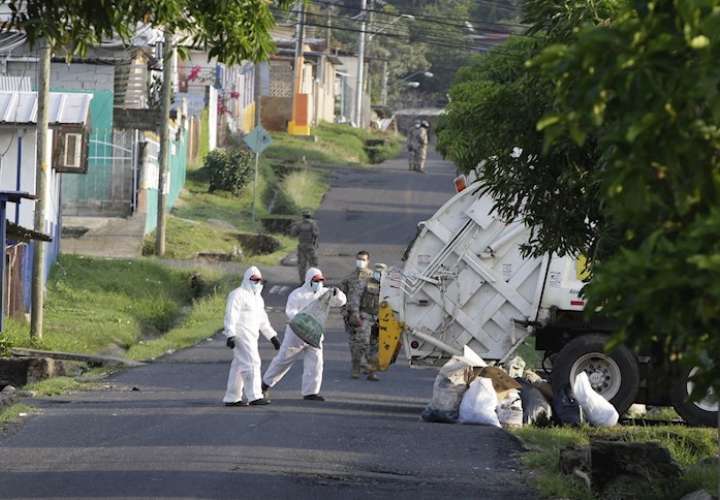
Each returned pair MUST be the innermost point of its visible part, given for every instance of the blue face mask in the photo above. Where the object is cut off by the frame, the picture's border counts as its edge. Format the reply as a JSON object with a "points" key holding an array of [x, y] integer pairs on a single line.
{"points": [[256, 287], [316, 286]]}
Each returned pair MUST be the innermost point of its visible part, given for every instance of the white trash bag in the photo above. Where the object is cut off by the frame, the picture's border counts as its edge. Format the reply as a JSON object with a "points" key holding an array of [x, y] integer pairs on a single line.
{"points": [[479, 403], [598, 411], [510, 410]]}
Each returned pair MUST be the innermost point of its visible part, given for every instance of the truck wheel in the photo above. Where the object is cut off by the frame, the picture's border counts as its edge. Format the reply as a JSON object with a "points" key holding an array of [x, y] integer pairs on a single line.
{"points": [[697, 413], [615, 375]]}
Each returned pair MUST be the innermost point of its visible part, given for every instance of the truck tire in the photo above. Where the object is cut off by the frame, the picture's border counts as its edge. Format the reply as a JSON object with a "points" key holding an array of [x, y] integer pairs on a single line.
{"points": [[702, 413], [615, 375]]}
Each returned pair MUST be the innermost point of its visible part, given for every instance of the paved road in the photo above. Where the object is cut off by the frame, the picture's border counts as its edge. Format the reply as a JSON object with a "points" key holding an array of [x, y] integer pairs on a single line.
{"points": [[171, 438]]}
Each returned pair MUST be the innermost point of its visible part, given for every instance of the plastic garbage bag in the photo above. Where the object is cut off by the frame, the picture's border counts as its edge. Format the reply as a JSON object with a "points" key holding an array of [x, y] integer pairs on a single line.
{"points": [[516, 367], [598, 410], [479, 403], [502, 382], [536, 409], [510, 410], [450, 384], [309, 324], [566, 409]]}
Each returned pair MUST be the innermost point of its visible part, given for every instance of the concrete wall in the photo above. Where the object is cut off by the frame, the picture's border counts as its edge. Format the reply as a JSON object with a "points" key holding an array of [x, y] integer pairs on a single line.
{"points": [[276, 113], [66, 77]]}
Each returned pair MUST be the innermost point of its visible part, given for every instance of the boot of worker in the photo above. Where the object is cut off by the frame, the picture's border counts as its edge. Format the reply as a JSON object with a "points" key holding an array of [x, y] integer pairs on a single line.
{"points": [[372, 377], [265, 390]]}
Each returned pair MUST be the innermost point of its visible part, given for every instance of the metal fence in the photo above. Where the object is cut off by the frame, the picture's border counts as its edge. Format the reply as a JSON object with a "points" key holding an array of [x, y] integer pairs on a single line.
{"points": [[109, 188]]}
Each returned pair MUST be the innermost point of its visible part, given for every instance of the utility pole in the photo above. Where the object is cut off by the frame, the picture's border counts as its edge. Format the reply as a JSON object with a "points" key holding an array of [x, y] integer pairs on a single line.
{"points": [[360, 67], [41, 189], [328, 36], [299, 63], [383, 94], [164, 157], [258, 123]]}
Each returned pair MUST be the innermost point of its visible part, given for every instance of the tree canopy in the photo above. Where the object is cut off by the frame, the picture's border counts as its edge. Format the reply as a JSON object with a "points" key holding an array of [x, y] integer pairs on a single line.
{"points": [[616, 108], [231, 30]]}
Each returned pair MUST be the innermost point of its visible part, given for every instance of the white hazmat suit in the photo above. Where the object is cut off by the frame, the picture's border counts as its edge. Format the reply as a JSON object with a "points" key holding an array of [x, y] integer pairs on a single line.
{"points": [[245, 319], [293, 346]]}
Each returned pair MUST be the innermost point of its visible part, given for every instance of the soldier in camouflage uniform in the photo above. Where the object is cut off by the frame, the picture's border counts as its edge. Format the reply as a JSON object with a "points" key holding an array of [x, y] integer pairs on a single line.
{"points": [[417, 144], [353, 287], [369, 309], [307, 232]]}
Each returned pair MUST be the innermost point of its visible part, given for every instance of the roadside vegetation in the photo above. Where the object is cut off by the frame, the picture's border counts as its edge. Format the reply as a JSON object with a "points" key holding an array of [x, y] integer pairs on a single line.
{"points": [[336, 145], [213, 216], [13, 413], [688, 446]]}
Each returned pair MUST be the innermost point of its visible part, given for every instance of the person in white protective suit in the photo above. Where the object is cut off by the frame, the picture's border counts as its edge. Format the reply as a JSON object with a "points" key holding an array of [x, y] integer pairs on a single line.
{"points": [[245, 320], [293, 347]]}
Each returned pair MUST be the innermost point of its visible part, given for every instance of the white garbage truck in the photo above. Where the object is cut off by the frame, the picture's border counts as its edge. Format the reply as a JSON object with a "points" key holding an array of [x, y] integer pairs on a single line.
{"points": [[465, 282]]}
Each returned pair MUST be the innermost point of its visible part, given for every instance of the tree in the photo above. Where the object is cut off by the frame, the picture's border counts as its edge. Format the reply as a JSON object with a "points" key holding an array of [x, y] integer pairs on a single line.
{"points": [[232, 30], [646, 87]]}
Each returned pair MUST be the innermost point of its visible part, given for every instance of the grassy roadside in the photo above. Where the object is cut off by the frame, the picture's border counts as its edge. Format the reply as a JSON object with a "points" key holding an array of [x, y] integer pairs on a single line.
{"points": [[688, 446], [336, 145], [211, 222], [13, 413]]}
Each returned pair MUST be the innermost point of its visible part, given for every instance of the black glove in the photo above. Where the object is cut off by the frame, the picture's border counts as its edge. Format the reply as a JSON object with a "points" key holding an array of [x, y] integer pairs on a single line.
{"points": [[230, 342], [335, 290], [275, 342]]}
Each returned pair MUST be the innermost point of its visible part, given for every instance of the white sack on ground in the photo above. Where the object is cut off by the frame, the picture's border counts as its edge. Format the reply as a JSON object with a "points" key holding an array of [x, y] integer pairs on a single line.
{"points": [[510, 410], [450, 384], [598, 411], [479, 403]]}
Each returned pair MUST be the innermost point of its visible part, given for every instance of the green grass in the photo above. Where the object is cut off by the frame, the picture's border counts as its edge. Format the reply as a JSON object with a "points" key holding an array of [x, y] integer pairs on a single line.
{"points": [[186, 238], [688, 446], [204, 320], [305, 188], [93, 303], [336, 145], [55, 386], [12, 414]]}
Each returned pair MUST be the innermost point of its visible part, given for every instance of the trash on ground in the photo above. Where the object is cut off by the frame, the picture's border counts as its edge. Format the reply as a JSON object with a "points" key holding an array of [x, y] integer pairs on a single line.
{"points": [[566, 409], [597, 410], [516, 368], [536, 408], [510, 410], [450, 385], [479, 404], [502, 382]]}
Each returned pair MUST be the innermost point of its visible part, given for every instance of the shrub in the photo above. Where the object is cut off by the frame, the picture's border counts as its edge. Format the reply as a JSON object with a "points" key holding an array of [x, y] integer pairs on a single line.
{"points": [[228, 169]]}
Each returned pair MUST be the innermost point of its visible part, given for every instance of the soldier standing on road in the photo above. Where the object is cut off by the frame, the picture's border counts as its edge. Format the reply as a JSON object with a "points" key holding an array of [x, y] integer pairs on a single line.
{"points": [[307, 232], [412, 145], [353, 287], [422, 139], [369, 310]]}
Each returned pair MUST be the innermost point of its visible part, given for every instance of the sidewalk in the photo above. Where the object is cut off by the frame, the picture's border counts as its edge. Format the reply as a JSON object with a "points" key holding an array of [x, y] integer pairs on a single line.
{"points": [[112, 237]]}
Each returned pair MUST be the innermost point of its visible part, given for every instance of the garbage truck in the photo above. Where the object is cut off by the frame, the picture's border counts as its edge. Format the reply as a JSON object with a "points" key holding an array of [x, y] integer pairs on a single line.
{"points": [[466, 282]]}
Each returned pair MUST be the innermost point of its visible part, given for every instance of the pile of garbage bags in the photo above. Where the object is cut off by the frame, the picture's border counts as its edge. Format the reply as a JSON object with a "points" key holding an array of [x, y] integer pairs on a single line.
{"points": [[467, 391]]}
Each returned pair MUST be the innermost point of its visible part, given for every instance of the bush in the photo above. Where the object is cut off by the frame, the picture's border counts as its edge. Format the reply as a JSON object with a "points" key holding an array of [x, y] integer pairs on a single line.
{"points": [[228, 169]]}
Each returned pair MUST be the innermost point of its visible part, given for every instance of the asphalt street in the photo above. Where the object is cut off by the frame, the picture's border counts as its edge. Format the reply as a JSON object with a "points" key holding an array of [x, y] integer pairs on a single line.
{"points": [[160, 431]]}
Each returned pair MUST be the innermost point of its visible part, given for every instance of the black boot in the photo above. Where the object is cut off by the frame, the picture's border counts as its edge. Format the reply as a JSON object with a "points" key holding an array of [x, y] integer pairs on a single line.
{"points": [[313, 397], [260, 402]]}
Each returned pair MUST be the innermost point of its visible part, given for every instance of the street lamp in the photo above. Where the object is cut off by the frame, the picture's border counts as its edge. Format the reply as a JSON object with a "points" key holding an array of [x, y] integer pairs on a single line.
{"points": [[409, 17]]}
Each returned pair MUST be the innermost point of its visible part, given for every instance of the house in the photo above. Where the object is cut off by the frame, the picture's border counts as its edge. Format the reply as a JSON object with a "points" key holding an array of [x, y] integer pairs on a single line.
{"points": [[319, 84], [68, 119]]}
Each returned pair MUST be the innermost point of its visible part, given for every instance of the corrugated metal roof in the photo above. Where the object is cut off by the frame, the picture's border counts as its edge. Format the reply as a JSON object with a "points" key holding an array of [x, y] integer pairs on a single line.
{"points": [[15, 84], [65, 108]]}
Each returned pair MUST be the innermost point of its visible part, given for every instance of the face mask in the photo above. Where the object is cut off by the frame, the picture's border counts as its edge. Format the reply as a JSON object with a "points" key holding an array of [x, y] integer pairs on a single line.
{"points": [[316, 286], [361, 264], [257, 287]]}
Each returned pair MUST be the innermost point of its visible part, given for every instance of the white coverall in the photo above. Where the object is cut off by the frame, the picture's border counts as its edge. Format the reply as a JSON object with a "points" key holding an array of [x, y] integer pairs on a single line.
{"points": [[245, 319], [293, 346]]}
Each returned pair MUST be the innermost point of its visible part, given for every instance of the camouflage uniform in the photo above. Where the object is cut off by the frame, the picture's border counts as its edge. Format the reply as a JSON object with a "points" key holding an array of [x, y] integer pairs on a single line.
{"points": [[353, 287], [369, 305], [307, 232], [417, 144]]}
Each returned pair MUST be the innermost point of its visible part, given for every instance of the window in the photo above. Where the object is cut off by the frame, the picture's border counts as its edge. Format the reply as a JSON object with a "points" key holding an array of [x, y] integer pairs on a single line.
{"points": [[73, 150]]}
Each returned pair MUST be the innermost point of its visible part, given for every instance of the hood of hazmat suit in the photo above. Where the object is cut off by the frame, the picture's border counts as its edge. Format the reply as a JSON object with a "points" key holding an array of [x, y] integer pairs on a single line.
{"points": [[303, 295]]}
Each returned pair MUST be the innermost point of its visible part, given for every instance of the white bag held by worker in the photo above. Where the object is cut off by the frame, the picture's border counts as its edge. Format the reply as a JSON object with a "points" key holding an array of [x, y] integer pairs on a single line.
{"points": [[479, 403], [598, 411], [510, 410]]}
